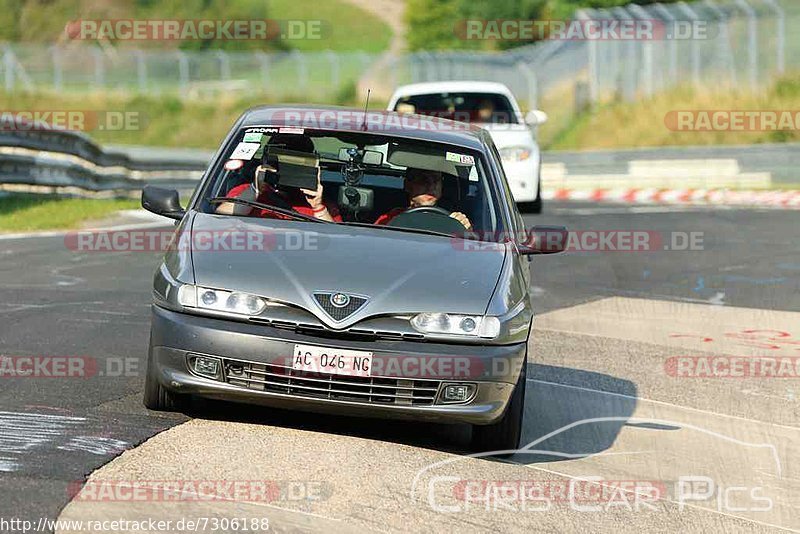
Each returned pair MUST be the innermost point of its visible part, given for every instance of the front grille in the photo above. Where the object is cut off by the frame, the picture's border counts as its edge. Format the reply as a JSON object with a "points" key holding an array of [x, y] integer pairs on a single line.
{"points": [[369, 390], [339, 314], [350, 334]]}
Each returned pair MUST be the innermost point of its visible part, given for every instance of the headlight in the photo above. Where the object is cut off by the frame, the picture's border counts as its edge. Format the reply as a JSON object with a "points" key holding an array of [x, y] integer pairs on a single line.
{"points": [[219, 300], [515, 153], [458, 325]]}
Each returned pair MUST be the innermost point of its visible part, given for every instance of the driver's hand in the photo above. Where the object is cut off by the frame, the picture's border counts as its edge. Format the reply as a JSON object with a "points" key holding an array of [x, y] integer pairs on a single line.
{"points": [[460, 217], [314, 198]]}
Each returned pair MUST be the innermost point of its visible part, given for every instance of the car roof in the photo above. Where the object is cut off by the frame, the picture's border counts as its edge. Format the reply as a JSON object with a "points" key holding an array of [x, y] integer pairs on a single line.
{"points": [[453, 86], [344, 119]]}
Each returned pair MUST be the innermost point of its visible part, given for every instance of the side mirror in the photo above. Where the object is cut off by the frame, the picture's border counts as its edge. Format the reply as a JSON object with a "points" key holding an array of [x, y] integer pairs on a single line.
{"points": [[162, 201], [535, 117], [544, 240]]}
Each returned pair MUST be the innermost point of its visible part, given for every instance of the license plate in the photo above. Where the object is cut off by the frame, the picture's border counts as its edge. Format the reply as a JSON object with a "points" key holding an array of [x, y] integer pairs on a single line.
{"points": [[332, 361]]}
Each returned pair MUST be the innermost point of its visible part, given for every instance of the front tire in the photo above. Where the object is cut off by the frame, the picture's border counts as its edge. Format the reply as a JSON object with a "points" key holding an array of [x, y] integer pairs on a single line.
{"points": [[534, 206], [157, 397], [504, 435]]}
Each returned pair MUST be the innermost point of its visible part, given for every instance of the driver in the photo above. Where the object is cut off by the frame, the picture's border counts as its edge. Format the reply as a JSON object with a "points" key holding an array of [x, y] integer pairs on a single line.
{"points": [[486, 111], [424, 188], [303, 201]]}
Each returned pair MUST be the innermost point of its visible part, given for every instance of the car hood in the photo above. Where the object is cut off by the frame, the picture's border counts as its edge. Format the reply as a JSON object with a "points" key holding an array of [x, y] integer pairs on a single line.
{"points": [[506, 135], [400, 272]]}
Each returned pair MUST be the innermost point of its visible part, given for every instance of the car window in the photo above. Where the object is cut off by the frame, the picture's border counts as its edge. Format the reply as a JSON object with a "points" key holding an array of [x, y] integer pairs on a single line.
{"points": [[461, 106], [364, 176]]}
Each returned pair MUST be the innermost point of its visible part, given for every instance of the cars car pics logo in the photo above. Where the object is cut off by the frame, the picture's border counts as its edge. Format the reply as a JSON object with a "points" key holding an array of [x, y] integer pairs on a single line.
{"points": [[340, 300]]}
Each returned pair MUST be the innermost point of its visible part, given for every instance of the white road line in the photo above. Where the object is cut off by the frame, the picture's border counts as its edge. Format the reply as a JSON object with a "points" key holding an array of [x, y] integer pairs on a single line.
{"points": [[671, 405], [59, 233]]}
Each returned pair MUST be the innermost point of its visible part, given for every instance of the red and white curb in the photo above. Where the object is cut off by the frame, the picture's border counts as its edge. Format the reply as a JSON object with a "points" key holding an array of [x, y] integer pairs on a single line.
{"points": [[775, 199]]}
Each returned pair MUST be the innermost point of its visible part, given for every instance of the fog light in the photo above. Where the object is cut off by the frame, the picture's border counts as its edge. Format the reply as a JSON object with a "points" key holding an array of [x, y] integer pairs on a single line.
{"points": [[457, 392], [205, 366]]}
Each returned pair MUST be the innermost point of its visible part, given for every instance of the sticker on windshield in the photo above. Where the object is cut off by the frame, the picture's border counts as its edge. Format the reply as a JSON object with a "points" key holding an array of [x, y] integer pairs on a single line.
{"points": [[245, 150], [465, 159], [253, 137], [298, 131], [262, 130]]}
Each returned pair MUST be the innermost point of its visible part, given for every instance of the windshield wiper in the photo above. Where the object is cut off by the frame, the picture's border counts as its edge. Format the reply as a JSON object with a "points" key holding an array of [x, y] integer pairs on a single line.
{"points": [[268, 207], [400, 228]]}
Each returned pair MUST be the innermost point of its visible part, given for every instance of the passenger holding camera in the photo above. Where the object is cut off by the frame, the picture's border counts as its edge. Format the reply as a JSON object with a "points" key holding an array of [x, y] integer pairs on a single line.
{"points": [[304, 201]]}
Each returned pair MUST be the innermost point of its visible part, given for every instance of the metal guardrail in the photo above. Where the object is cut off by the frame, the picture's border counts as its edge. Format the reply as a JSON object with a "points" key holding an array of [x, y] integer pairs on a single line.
{"points": [[52, 160], [780, 160], [56, 161]]}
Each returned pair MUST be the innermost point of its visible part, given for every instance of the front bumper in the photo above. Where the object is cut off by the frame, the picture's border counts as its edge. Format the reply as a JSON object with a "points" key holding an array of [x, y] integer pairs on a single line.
{"points": [[411, 367], [523, 179]]}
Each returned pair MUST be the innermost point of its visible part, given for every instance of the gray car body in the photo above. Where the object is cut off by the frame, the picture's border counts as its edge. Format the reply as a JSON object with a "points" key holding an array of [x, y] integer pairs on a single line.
{"points": [[402, 274]]}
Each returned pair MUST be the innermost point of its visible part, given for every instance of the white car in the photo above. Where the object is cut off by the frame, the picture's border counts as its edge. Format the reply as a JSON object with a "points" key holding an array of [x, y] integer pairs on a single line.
{"points": [[491, 106]]}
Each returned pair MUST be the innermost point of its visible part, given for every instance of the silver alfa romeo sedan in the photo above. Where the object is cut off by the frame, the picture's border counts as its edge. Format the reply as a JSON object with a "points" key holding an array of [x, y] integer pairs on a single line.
{"points": [[342, 261]]}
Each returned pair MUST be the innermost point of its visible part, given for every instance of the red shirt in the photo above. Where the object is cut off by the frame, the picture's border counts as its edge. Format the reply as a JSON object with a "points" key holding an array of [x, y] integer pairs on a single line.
{"points": [[297, 201], [389, 215]]}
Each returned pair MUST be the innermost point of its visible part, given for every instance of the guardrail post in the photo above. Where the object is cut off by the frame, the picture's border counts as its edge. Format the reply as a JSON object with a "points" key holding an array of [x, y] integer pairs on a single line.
{"points": [[533, 84], [647, 51], [263, 61], [141, 71], [415, 68], [58, 68], [780, 34], [689, 12], [672, 44], [752, 41], [8, 69], [724, 39], [302, 70], [333, 61], [594, 83], [183, 69], [99, 68], [224, 65]]}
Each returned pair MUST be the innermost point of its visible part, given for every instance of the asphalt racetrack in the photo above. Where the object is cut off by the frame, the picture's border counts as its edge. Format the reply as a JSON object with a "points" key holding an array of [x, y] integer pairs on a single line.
{"points": [[638, 415]]}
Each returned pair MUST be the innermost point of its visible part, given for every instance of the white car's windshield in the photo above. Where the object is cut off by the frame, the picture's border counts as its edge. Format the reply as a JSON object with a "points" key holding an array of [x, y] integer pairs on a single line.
{"points": [[465, 107]]}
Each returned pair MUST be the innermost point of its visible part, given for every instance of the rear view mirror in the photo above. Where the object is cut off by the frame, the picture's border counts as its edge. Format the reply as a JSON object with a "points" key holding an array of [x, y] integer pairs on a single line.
{"points": [[165, 202], [368, 157], [373, 157], [535, 117], [544, 240]]}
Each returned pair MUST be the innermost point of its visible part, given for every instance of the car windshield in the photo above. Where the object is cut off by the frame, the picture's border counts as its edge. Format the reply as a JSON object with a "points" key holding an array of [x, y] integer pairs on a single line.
{"points": [[483, 108], [385, 181]]}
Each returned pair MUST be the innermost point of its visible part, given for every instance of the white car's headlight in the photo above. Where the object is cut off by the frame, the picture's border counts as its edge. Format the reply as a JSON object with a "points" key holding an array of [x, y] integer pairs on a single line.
{"points": [[515, 153], [458, 325], [219, 300]]}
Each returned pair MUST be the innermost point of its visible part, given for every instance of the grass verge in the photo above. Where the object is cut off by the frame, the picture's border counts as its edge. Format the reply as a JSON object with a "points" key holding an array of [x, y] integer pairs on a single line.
{"points": [[25, 213], [642, 123], [161, 121]]}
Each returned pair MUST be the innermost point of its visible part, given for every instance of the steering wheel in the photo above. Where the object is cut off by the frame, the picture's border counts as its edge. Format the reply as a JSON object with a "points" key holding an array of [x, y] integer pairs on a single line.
{"points": [[431, 218], [428, 209]]}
